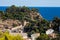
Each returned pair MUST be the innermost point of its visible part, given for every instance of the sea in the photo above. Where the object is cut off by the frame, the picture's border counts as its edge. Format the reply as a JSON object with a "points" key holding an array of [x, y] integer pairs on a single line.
{"points": [[47, 13]]}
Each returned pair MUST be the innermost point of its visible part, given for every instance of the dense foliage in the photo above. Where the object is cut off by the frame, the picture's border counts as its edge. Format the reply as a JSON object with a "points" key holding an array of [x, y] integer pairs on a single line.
{"points": [[56, 24], [14, 12], [43, 37], [46, 37]]}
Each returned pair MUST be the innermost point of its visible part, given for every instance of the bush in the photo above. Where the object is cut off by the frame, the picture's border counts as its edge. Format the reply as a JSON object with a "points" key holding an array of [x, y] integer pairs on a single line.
{"points": [[7, 36]]}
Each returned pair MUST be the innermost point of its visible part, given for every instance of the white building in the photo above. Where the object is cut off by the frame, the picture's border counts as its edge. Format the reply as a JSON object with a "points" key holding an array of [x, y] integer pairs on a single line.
{"points": [[49, 31], [51, 34], [34, 36]]}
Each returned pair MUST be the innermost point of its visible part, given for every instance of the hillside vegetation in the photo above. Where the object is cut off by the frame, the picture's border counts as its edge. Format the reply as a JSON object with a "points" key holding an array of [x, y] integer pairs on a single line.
{"points": [[15, 16]]}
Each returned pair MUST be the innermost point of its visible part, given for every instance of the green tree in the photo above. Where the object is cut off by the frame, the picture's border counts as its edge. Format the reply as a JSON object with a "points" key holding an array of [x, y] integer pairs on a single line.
{"points": [[34, 10], [43, 37]]}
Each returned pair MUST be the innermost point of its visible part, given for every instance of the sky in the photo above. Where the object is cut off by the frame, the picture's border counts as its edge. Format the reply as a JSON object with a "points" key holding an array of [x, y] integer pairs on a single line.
{"points": [[33, 3]]}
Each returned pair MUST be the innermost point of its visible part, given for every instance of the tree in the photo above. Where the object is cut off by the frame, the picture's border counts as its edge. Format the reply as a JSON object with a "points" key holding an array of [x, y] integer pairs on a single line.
{"points": [[43, 37], [56, 23], [34, 10]]}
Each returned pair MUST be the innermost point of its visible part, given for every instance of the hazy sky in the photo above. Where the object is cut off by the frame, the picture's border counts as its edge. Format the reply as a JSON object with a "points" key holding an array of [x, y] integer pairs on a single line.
{"points": [[46, 3]]}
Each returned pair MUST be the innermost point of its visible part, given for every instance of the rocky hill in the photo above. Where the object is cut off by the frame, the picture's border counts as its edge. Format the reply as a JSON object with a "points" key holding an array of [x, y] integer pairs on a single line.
{"points": [[30, 20], [15, 16]]}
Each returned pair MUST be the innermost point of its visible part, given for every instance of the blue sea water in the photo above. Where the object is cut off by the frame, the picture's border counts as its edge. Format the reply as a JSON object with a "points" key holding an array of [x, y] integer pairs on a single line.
{"points": [[47, 12]]}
